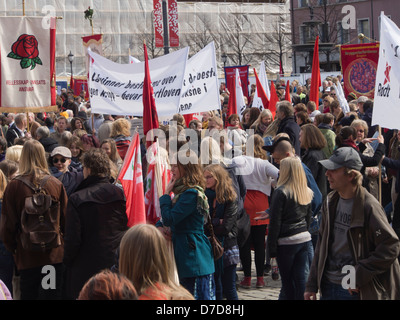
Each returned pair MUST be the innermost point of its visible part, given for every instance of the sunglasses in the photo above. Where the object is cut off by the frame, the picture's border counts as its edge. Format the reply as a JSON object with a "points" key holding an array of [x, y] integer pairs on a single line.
{"points": [[56, 160]]}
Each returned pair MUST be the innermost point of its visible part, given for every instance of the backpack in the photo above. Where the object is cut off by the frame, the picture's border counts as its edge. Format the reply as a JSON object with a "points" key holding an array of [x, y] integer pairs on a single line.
{"points": [[40, 219]]}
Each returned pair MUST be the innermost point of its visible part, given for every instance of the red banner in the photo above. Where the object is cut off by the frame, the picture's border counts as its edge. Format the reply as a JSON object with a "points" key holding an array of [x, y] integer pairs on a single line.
{"points": [[158, 23], [80, 85], [359, 65], [173, 23], [230, 74]]}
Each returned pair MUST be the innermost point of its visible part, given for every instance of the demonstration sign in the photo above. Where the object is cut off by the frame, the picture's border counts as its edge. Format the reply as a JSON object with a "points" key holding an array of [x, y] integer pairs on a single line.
{"points": [[118, 88], [200, 87], [386, 111]]}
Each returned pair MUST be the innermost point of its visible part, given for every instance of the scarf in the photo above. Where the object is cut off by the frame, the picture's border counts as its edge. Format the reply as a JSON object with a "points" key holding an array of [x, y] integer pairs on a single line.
{"points": [[202, 201], [350, 143]]}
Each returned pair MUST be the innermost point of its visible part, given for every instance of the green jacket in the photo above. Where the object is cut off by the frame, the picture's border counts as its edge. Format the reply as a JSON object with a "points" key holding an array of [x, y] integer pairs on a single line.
{"points": [[193, 254], [330, 142]]}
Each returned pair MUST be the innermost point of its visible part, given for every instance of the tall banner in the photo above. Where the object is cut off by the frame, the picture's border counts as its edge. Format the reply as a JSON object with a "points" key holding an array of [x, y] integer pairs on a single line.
{"points": [[27, 65], [95, 43], [230, 73], [80, 85], [386, 111], [200, 88], [173, 23], [158, 23], [118, 88], [359, 63]]}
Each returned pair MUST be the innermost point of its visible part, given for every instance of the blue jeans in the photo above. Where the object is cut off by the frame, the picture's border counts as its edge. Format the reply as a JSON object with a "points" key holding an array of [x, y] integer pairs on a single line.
{"points": [[293, 263], [332, 291], [229, 282]]}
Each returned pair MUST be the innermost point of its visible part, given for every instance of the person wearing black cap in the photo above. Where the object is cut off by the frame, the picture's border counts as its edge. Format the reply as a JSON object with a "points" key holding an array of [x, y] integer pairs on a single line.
{"points": [[357, 249]]}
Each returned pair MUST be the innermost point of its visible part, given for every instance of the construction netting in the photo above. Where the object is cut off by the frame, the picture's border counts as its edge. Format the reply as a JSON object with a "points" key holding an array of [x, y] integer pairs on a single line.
{"points": [[247, 33]]}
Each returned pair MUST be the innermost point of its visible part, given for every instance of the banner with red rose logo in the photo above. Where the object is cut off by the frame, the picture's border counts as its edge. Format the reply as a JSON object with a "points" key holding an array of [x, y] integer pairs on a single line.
{"points": [[27, 68]]}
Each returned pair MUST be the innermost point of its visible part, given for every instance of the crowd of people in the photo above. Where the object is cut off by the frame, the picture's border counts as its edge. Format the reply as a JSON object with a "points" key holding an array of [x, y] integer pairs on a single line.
{"points": [[312, 186]]}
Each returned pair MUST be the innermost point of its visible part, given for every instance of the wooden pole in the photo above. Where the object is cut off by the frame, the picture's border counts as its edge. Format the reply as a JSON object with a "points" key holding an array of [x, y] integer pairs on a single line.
{"points": [[380, 175]]}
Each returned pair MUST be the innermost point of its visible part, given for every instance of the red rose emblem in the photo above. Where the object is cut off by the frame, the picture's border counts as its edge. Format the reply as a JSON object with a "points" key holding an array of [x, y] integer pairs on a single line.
{"points": [[26, 50], [26, 47]]}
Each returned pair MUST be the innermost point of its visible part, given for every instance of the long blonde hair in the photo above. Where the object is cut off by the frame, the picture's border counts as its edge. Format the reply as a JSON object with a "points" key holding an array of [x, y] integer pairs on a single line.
{"points": [[33, 160], [147, 261], [293, 180], [224, 185]]}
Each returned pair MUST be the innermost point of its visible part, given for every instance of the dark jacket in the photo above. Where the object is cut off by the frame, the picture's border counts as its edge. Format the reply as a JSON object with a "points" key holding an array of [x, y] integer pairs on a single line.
{"points": [[287, 218], [70, 179], [96, 220], [310, 158], [10, 223], [288, 125], [227, 230], [49, 144], [12, 134]]}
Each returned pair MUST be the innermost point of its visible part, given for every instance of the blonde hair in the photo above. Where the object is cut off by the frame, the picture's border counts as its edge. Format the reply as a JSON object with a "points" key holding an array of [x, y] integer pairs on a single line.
{"points": [[14, 153], [224, 185], [293, 180], [257, 142], [3, 183], [33, 160], [151, 263], [120, 126], [210, 152]]}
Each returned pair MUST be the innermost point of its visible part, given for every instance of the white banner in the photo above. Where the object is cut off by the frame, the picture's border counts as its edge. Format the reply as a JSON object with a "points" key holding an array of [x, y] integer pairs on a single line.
{"points": [[386, 111], [201, 86], [118, 88], [27, 74]]}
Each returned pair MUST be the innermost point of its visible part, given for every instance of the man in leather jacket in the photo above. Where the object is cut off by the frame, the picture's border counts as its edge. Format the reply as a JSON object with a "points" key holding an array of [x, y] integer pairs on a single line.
{"points": [[357, 250]]}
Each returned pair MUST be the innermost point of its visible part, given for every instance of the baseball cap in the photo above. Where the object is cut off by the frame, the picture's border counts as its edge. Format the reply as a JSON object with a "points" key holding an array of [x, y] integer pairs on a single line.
{"points": [[62, 151], [271, 148], [343, 157]]}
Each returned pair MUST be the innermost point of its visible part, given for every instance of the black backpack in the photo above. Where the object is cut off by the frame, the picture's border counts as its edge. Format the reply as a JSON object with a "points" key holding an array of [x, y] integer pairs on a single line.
{"points": [[40, 219]]}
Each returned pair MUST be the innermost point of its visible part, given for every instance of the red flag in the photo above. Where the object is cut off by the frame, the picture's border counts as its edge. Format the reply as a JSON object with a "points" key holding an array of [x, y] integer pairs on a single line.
{"points": [[315, 75], [150, 117], [188, 118], [261, 92], [273, 100], [131, 179], [280, 68], [232, 108], [287, 92]]}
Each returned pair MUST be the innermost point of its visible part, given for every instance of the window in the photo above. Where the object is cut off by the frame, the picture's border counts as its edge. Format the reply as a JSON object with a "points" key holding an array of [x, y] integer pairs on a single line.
{"points": [[303, 3], [363, 27], [343, 35], [306, 34]]}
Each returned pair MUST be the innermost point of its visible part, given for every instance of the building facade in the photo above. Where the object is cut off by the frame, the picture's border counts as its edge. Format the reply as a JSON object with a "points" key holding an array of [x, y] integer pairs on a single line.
{"points": [[337, 22]]}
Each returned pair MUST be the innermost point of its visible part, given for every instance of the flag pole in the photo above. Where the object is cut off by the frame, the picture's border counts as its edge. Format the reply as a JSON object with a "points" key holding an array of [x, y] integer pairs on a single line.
{"points": [[380, 174]]}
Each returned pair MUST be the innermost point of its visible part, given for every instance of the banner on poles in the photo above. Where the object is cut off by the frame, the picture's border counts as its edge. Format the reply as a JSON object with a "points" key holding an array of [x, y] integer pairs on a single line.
{"points": [[386, 111], [173, 23], [158, 23], [359, 63], [201, 88], [118, 88], [27, 65]]}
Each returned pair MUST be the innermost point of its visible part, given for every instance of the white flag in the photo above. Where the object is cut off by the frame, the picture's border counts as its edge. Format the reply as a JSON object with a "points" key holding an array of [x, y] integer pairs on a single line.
{"points": [[240, 102], [342, 99], [262, 76], [386, 111]]}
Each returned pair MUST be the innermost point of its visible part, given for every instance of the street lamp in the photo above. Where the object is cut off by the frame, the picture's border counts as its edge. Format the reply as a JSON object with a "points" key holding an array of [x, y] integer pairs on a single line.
{"points": [[71, 59], [224, 58]]}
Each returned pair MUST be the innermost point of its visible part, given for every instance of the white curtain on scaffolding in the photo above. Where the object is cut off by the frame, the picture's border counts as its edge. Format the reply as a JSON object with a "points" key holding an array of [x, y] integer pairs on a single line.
{"points": [[246, 32]]}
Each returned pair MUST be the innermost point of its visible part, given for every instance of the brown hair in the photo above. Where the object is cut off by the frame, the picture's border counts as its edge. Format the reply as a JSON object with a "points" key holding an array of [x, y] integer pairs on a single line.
{"points": [[107, 285], [312, 137], [98, 162]]}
